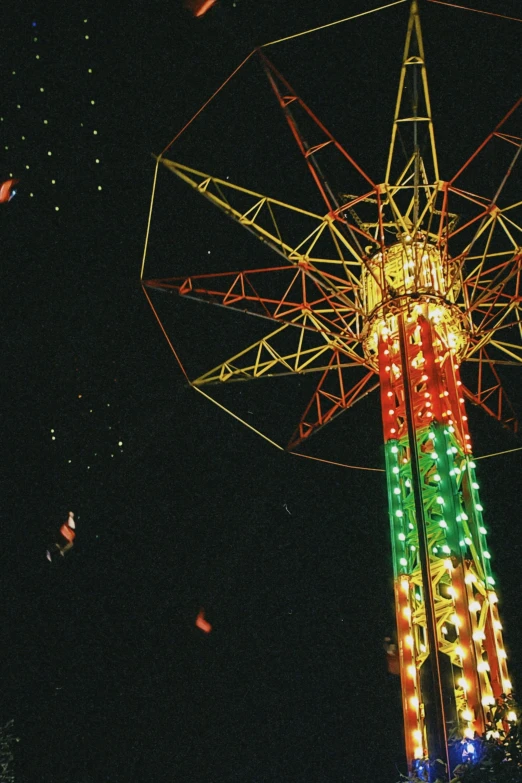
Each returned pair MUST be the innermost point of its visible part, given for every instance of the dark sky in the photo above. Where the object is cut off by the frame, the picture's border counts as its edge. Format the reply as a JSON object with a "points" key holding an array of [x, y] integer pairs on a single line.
{"points": [[178, 507]]}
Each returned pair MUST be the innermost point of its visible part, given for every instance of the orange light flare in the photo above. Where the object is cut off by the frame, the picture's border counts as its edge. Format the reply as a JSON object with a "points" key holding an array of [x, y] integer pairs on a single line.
{"points": [[7, 190], [67, 532], [199, 8], [201, 623]]}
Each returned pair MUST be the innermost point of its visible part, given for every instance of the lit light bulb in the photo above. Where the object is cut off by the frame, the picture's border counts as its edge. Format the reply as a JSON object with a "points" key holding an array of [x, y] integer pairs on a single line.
{"points": [[469, 733], [467, 715], [414, 702], [506, 686], [483, 666], [474, 606], [478, 636]]}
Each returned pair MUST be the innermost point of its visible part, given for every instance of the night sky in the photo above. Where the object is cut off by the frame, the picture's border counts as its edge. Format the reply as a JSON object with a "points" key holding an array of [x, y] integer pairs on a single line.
{"points": [[178, 507]]}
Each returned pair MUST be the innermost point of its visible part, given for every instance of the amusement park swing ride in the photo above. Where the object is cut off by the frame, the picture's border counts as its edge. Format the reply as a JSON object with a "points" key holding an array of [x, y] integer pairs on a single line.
{"points": [[407, 279]]}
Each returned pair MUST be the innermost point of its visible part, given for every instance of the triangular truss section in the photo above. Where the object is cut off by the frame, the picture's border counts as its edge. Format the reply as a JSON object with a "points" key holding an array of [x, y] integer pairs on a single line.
{"points": [[336, 392], [298, 348], [331, 166], [278, 294], [294, 233], [490, 394], [412, 129]]}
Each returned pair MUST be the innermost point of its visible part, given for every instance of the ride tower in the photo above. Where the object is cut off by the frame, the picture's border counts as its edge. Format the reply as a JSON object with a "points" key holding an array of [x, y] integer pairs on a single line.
{"points": [[402, 282]]}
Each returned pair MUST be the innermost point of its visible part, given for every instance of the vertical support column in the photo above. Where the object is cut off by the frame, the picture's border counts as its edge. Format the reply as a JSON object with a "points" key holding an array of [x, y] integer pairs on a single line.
{"points": [[453, 663], [433, 686]]}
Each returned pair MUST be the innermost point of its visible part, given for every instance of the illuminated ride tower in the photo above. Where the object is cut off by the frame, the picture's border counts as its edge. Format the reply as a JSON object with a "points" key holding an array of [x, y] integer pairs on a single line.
{"points": [[403, 283]]}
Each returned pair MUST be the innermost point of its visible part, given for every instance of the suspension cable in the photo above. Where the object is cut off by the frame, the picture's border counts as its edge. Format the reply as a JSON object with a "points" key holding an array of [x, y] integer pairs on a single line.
{"points": [[331, 24], [477, 10]]}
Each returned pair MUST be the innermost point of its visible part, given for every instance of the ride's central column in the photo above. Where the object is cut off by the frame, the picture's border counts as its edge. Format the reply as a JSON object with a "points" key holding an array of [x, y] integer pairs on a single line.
{"points": [[452, 659]]}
